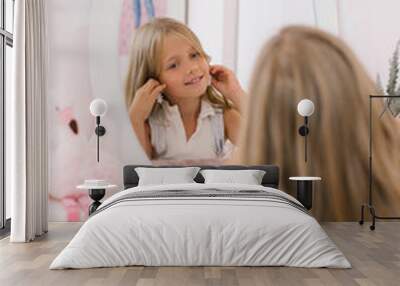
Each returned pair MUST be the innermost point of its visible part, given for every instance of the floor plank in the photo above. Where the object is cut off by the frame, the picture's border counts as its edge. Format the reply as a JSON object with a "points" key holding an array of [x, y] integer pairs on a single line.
{"points": [[375, 257]]}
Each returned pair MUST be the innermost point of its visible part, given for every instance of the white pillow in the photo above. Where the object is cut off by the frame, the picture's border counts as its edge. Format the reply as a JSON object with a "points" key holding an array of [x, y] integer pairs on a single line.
{"points": [[162, 176], [248, 177]]}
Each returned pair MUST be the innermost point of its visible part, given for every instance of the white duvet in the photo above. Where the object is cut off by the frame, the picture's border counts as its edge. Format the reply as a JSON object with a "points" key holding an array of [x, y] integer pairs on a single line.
{"points": [[200, 231]]}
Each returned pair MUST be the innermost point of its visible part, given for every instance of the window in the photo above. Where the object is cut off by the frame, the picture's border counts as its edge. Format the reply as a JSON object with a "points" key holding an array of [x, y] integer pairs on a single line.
{"points": [[6, 44]]}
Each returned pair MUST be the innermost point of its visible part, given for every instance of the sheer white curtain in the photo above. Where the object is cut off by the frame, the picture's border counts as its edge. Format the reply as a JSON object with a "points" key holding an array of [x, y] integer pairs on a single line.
{"points": [[27, 124]]}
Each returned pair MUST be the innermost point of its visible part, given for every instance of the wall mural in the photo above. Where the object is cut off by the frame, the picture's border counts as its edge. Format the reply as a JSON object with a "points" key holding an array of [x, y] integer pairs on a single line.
{"points": [[89, 45], [89, 57]]}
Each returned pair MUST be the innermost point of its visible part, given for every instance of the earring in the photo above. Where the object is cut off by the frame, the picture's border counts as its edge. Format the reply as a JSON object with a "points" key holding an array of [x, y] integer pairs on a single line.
{"points": [[160, 98]]}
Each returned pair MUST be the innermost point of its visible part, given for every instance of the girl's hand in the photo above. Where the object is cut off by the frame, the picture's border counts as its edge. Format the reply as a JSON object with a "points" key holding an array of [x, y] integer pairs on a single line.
{"points": [[140, 110], [144, 100], [225, 81]]}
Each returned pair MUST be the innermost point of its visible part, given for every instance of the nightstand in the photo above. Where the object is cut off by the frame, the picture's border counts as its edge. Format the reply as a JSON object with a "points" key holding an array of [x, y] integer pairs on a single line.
{"points": [[305, 189], [97, 190]]}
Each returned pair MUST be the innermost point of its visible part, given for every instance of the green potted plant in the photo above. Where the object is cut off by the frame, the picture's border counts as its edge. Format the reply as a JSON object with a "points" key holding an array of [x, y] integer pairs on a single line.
{"points": [[391, 104]]}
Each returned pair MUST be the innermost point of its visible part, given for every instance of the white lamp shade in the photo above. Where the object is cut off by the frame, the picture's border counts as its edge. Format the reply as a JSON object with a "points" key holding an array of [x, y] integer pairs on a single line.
{"points": [[305, 107], [98, 107]]}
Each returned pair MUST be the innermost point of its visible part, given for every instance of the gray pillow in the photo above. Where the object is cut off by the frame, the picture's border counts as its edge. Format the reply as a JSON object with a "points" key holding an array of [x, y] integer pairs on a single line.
{"points": [[248, 177], [162, 176]]}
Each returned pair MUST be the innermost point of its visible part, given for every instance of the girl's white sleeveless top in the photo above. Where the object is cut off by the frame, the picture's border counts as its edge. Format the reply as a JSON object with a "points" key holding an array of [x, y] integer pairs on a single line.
{"points": [[168, 135]]}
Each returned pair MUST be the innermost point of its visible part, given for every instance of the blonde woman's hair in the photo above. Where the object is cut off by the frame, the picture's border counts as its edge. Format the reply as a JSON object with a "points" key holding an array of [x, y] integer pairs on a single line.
{"points": [[145, 56], [302, 62]]}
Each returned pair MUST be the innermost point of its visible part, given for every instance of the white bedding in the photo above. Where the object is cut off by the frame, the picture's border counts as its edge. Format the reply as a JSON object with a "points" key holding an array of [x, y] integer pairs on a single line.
{"points": [[182, 231]]}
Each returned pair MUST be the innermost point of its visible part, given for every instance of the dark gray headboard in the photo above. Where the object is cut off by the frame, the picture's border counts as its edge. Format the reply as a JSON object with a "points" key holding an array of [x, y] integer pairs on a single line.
{"points": [[271, 177]]}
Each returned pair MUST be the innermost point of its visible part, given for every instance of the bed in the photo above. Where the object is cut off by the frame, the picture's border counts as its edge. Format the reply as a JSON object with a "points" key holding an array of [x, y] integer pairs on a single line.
{"points": [[201, 224]]}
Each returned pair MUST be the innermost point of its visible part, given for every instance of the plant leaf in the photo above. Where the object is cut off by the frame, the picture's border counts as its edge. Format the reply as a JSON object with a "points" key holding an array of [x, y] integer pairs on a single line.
{"points": [[393, 71]]}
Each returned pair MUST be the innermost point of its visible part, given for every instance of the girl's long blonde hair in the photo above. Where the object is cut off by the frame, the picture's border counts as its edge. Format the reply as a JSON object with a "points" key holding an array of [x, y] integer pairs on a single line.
{"points": [[145, 56], [302, 62]]}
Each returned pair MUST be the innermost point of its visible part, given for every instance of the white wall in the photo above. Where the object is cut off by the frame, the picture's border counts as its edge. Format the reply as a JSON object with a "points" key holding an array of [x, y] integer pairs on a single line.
{"points": [[233, 31], [205, 18], [260, 20], [214, 22], [326, 15], [372, 29], [369, 27]]}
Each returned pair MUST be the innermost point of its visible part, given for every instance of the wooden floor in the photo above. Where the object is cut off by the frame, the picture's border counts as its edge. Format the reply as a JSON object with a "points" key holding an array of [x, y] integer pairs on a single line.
{"points": [[375, 257]]}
